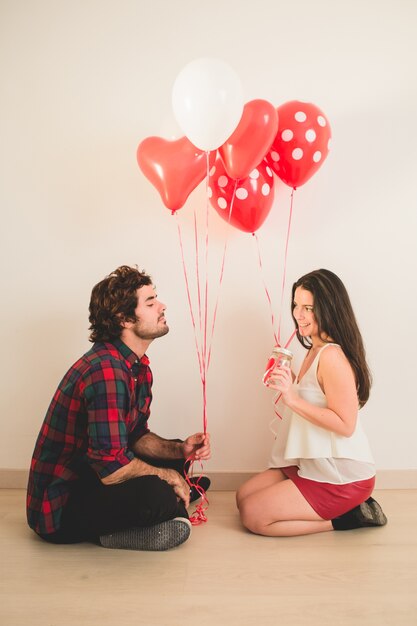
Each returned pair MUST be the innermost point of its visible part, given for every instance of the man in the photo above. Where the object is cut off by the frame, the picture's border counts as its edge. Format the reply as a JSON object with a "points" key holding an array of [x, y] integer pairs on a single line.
{"points": [[98, 473]]}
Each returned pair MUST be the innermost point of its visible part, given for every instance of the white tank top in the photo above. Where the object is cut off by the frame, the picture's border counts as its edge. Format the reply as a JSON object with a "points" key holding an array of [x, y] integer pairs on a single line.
{"points": [[321, 455]]}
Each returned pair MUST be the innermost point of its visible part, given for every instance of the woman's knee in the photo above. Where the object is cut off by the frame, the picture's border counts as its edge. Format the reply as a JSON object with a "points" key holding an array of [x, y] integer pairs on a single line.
{"points": [[242, 492], [239, 496], [250, 517]]}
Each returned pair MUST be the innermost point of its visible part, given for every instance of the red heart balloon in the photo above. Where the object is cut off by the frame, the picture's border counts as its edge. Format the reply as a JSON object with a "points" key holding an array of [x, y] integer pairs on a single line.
{"points": [[252, 196], [175, 168], [301, 144], [251, 140]]}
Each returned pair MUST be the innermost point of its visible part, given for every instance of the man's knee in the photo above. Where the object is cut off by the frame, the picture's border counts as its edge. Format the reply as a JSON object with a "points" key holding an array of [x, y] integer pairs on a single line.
{"points": [[156, 496], [162, 486]]}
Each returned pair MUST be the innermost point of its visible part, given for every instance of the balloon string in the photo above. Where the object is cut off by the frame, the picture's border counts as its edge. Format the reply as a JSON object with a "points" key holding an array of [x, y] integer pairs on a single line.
{"points": [[278, 396], [204, 351], [277, 335], [203, 332], [284, 274], [201, 349], [221, 272], [197, 270], [291, 338], [199, 515], [206, 273], [266, 289], [201, 346], [199, 356]]}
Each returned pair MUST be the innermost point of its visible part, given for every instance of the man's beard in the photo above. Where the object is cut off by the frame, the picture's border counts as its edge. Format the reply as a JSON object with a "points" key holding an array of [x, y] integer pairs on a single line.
{"points": [[144, 333]]}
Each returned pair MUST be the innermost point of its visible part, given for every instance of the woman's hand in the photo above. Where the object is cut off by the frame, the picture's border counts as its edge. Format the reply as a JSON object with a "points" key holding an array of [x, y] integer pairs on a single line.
{"points": [[281, 379]]}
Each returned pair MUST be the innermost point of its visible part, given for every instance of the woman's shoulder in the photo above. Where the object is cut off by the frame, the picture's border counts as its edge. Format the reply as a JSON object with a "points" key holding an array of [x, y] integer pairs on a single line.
{"points": [[330, 348], [332, 356]]}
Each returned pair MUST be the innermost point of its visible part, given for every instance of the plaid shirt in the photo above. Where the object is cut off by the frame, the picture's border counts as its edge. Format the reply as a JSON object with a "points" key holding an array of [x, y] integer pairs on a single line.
{"points": [[101, 406]]}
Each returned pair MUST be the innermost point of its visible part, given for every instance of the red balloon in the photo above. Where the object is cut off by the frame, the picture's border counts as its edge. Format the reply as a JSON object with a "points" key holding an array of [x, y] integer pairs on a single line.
{"points": [[252, 196], [301, 144], [175, 168], [251, 140]]}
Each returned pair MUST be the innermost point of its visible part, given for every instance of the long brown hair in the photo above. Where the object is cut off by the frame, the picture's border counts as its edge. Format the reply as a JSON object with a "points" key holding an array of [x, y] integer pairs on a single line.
{"points": [[113, 301], [335, 318]]}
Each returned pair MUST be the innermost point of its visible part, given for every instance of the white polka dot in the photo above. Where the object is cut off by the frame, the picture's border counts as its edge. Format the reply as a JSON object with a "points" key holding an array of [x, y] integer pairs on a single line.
{"points": [[209, 192], [321, 121], [254, 174], [300, 116], [222, 204], [269, 171], [222, 182], [317, 156], [274, 156], [297, 154], [287, 135], [311, 135], [265, 189], [241, 193], [329, 143], [212, 171]]}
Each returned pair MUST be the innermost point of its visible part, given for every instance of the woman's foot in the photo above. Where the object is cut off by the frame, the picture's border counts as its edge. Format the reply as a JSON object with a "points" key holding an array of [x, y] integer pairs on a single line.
{"points": [[367, 514]]}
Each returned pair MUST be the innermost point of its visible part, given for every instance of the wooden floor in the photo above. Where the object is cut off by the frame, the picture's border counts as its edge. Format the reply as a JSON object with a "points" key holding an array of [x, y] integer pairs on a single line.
{"points": [[223, 576]]}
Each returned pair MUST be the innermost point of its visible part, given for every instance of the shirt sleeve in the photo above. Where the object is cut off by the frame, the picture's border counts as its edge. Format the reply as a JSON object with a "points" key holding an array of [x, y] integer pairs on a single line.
{"points": [[107, 397], [138, 432]]}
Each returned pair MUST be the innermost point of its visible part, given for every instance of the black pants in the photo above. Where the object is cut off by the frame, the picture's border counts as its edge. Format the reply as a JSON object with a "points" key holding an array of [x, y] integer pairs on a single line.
{"points": [[95, 509]]}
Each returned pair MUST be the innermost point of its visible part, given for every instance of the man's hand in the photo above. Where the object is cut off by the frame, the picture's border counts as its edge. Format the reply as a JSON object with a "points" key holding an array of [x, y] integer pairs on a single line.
{"points": [[197, 447], [177, 482]]}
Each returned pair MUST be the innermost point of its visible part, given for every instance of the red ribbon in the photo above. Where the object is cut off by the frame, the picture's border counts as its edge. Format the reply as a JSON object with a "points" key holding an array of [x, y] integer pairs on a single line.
{"points": [[199, 515], [203, 343], [277, 334]]}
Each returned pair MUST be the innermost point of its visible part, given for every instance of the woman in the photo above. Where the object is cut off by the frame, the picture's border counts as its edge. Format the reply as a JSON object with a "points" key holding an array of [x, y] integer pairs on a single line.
{"points": [[321, 472]]}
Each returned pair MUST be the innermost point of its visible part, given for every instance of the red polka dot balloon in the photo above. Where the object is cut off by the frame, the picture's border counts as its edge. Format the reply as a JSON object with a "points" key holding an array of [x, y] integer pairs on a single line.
{"points": [[252, 196], [301, 144]]}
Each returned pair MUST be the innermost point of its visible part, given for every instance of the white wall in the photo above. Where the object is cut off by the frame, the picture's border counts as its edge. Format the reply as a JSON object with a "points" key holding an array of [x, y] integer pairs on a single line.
{"points": [[83, 82]]}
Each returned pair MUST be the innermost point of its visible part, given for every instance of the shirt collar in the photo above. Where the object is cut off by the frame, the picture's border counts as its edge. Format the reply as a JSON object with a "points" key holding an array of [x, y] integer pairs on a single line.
{"points": [[129, 356]]}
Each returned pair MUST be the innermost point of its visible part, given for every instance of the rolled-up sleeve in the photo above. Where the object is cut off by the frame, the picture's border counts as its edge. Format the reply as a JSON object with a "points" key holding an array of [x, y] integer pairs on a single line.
{"points": [[107, 398]]}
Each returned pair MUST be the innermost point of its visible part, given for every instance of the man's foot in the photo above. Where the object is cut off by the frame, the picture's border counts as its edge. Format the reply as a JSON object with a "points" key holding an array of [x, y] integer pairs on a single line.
{"points": [[201, 481], [163, 536], [367, 514]]}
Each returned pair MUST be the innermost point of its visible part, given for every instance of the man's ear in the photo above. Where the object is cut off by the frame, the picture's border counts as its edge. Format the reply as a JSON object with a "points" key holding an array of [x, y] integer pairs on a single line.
{"points": [[122, 320], [126, 322]]}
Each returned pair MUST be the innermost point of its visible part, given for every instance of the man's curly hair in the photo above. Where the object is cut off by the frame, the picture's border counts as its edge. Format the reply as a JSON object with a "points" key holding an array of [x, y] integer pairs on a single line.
{"points": [[113, 301]]}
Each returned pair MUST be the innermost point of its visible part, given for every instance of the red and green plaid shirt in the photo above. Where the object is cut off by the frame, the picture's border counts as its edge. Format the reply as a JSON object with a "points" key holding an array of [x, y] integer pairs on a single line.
{"points": [[100, 408]]}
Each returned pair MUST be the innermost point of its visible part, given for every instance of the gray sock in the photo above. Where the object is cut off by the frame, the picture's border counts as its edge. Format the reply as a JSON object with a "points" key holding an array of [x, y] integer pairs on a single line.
{"points": [[163, 536]]}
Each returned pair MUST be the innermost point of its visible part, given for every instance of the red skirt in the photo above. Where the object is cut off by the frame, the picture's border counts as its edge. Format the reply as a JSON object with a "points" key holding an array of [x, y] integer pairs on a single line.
{"points": [[328, 500]]}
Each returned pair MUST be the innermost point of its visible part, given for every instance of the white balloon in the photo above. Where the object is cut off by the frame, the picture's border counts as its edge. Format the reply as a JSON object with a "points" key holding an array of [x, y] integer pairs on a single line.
{"points": [[207, 100]]}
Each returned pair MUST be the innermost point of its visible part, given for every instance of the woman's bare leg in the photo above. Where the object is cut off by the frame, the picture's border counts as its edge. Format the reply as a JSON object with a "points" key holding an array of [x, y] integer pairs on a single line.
{"points": [[280, 510], [258, 482]]}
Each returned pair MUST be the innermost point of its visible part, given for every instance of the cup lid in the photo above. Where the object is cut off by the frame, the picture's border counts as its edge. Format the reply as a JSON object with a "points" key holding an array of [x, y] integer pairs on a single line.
{"points": [[278, 350]]}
